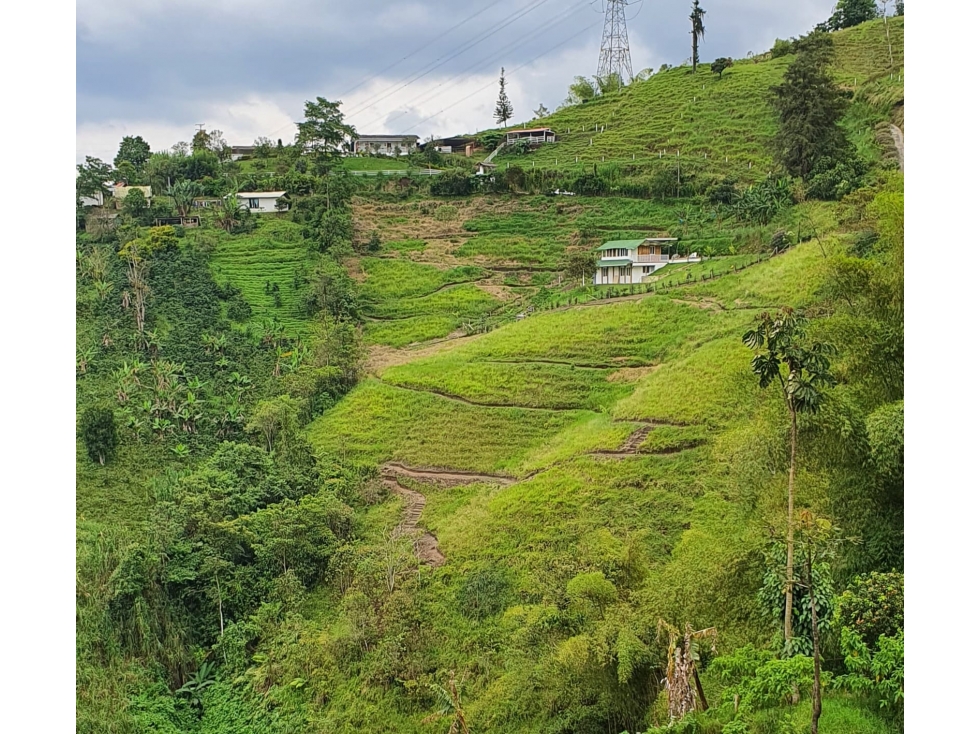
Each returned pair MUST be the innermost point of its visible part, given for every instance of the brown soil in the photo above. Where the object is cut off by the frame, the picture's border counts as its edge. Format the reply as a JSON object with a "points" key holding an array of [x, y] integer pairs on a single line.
{"points": [[425, 543]]}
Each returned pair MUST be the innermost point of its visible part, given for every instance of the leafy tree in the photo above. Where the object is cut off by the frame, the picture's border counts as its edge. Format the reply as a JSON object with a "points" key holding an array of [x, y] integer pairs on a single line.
{"points": [[608, 84], [275, 419], [541, 111], [323, 131], [870, 620], [580, 265], [504, 110], [263, 147], [801, 368], [697, 32], [781, 48], [581, 90], [720, 65], [849, 13], [899, 7], [810, 106], [133, 149], [135, 204], [201, 141], [98, 431], [92, 177]]}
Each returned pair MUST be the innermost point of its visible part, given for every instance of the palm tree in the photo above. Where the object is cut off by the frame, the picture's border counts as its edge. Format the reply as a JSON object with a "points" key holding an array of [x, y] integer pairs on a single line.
{"points": [[450, 704], [183, 193], [697, 20], [229, 215], [779, 342]]}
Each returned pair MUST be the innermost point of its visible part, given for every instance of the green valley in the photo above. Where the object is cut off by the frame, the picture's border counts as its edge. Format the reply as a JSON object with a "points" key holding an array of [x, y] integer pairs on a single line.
{"points": [[388, 460]]}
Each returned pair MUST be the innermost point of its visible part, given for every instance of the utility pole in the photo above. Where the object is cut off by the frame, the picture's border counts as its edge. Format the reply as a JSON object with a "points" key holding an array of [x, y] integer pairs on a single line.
{"points": [[614, 57]]}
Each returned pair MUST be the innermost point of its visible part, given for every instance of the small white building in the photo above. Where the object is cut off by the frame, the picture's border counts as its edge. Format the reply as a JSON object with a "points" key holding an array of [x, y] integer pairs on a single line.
{"points": [[260, 202], [241, 151], [386, 144], [629, 261]]}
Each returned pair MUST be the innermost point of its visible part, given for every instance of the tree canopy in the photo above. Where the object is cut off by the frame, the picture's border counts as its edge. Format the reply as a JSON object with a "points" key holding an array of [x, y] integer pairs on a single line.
{"points": [[323, 130], [810, 107], [504, 109], [133, 149]]}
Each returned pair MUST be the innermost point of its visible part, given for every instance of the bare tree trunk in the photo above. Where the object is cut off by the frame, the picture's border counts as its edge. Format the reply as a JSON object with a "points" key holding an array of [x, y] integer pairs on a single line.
{"points": [[700, 689], [220, 606], [789, 534], [817, 695]]}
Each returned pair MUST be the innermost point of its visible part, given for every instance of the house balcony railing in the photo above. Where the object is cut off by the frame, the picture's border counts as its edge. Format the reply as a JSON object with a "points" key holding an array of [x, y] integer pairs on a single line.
{"points": [[651, 258], [532, 139]]}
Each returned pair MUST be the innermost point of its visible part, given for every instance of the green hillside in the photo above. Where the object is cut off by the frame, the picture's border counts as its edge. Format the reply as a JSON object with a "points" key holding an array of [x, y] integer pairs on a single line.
{"points": [[726, 119], [385, 464]]}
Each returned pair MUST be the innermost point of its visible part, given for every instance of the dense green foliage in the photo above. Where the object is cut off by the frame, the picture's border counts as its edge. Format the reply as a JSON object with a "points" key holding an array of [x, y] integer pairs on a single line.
{"points": [[293, 392]]}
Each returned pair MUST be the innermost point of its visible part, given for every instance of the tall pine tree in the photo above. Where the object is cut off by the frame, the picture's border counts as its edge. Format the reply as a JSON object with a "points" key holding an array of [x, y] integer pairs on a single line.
{"points": [[504, 110], [697, 19], [809, 107]]}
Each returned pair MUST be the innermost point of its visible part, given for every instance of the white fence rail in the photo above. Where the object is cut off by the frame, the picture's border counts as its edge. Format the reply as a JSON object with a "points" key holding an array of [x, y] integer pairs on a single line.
{"points": [[400, 172]]}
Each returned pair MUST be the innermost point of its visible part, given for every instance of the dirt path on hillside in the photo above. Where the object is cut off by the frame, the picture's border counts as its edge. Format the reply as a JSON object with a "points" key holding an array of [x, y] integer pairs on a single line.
{"points": [[898, 137], [425, 543], [630, 447], [466, 401]]}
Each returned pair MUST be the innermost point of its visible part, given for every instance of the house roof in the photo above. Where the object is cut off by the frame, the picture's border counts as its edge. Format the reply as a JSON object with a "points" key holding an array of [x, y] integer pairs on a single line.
{"points": [[660, 239], [614, 263], [260, 194], [621, 245], [531, 130]]}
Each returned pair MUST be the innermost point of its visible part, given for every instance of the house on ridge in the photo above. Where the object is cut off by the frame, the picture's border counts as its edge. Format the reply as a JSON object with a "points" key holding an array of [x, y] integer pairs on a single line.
{"points": [[385, 144], [629, 261]]}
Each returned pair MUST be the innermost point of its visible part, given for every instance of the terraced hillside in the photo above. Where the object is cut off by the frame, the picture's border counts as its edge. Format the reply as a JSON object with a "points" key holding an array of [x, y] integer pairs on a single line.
{"points": [[273, 255], [720, 125]]}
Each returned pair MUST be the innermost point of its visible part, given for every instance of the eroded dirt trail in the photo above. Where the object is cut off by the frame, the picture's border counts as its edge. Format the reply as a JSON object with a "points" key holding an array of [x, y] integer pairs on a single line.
{"points": [[425, 543]]}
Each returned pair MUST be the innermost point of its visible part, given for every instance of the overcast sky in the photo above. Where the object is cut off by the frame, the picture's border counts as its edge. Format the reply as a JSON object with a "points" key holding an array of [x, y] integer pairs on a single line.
{"points": [[158, 68]]}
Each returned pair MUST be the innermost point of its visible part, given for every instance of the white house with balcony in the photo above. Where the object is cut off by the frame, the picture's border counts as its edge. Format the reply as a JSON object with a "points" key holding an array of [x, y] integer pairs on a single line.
{"points": [[629, 261]]}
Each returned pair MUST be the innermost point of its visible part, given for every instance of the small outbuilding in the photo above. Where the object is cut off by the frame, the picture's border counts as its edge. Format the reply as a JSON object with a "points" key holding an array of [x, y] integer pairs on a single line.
{"points": [[261, 202], [534, 136]]}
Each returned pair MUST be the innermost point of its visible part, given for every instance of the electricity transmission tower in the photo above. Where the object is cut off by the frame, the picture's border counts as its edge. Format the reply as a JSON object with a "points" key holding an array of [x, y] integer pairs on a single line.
{"points": [[614, 58]]}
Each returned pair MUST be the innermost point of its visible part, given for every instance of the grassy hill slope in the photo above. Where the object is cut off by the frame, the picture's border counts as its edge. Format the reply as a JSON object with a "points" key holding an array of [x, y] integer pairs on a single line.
{"points": [[727, 119]]}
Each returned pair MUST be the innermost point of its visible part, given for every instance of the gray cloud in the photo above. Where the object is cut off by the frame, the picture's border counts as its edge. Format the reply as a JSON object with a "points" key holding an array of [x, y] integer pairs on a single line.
{"points": [[159, 67]]}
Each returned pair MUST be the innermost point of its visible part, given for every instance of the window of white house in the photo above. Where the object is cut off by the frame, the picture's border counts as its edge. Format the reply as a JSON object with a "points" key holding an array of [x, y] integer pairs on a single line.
{"points": [[254, 204]]}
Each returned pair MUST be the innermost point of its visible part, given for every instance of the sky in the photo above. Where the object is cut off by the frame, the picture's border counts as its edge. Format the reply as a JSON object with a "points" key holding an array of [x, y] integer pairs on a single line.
{"points": [[160, 68]]}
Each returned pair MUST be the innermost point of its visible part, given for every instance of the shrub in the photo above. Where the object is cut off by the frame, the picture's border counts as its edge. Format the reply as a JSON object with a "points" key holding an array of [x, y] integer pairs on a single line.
{"points": [[872, 606], [238, 309], [781, 48], [831, 181], [452, 183], [98, 431], [483, 593], [446, 213]]}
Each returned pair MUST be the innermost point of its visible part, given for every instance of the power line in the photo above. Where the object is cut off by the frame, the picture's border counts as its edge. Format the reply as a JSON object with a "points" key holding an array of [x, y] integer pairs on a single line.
{"points": [[497, 55], [460, 101], [374, 99], [420, 48], [493, 30]]}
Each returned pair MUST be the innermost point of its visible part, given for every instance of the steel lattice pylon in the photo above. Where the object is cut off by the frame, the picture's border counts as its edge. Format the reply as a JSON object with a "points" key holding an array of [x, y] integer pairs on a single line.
{"points": [[614, 58]]}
